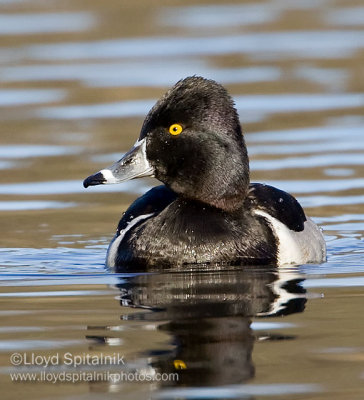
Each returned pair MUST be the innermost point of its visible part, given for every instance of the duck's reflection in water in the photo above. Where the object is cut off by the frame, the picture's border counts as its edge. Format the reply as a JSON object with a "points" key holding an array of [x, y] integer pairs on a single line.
{"points": [[208, 314]]}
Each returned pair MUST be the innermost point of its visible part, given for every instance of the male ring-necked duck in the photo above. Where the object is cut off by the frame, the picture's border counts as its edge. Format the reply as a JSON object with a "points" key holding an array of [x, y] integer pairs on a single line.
{"points": [[207, 211]]}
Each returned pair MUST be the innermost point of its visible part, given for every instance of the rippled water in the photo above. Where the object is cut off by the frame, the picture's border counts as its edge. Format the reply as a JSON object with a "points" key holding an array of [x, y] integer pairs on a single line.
{"points": [[76, 80]]}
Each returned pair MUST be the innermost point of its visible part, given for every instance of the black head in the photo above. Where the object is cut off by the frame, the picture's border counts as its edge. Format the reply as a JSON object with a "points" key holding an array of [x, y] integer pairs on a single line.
{"points": [[193, 143], [207, 161]]}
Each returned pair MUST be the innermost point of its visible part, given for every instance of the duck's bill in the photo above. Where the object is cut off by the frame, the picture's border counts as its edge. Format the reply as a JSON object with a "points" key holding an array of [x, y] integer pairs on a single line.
{"points": [[134, 164]]}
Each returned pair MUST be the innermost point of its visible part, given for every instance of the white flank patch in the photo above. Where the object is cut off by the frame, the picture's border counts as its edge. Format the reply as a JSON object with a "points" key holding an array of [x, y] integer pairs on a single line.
{"points": [[307, 246], [114, 245]]}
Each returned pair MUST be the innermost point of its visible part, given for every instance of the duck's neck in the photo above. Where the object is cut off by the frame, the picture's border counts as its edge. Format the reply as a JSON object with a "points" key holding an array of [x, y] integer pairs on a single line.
{"points": [[227, 194], [214, 172], [221, 188], [226, 181]]}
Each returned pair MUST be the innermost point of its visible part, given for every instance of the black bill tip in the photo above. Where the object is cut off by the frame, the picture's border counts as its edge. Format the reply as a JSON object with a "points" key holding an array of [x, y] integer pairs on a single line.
{"points": [[93, 180]]}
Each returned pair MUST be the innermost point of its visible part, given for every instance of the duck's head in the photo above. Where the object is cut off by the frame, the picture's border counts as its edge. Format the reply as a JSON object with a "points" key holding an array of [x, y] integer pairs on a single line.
{"points": [[191, 140]]}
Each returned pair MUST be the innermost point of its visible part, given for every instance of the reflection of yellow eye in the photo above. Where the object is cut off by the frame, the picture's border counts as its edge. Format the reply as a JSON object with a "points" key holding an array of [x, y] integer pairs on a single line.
{"points": [[175, 129], [179, 364]]}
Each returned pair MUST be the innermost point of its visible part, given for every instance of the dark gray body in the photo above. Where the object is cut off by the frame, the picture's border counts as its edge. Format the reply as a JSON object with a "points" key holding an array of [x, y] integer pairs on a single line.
{"points": [[178, 231]]}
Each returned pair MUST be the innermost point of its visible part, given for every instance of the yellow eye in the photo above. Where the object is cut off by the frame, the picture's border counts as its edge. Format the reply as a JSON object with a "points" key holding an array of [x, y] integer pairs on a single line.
{"points": [[175, 129]]}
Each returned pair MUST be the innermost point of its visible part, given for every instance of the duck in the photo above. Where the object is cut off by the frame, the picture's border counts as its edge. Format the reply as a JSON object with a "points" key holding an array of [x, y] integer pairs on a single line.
{"points": [[206, 211]]}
